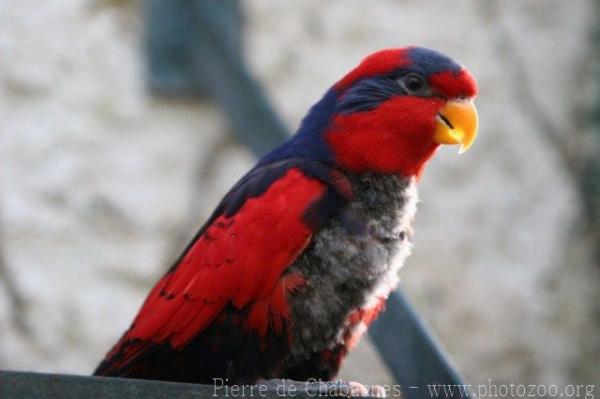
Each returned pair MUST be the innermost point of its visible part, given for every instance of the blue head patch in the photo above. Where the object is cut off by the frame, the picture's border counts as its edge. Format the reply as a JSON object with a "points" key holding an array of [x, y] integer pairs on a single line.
{"points": [[368, 93]]}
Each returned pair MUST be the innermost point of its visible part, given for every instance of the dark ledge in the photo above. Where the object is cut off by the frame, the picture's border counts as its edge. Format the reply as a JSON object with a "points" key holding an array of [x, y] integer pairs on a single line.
{"points": [[26, 385]]}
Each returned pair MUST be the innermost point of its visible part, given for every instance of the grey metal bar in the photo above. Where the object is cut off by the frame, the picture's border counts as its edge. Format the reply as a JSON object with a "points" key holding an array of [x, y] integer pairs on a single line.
{"points": [[208, 58], [170, 38], [411, 353]]}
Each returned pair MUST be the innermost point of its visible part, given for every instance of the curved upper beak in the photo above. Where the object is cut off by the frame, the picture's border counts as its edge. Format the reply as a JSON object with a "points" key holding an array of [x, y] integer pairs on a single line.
{"points": [[457, 124]]}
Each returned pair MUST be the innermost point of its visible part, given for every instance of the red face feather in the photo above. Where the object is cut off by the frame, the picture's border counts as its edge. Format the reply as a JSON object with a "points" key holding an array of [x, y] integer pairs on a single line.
{"points": [[396, 134], [393, 138], [454, 85], [379, 63]]}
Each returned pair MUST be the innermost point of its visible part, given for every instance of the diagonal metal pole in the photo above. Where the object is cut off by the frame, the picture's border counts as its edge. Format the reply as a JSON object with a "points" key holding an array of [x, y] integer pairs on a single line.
{"points": [[209, 61], [410, 351]]}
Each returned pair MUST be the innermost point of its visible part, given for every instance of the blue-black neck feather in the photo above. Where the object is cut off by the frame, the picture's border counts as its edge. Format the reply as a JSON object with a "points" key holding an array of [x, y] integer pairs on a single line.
{"points": [[368, 94], [309, 141]]}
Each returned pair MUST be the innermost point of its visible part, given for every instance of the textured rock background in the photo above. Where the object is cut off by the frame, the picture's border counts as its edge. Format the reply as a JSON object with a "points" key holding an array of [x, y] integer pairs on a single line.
{"points": [[102, 184]]}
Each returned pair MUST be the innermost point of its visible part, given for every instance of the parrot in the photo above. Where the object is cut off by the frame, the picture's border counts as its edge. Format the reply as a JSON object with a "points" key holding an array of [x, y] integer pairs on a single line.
{"points": [[299, 257]]}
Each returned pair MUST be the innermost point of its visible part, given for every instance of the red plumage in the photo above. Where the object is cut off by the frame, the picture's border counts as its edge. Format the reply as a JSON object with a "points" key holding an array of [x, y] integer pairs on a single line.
{"points": [[454, 84], [381, 62], [367, 141], [238, 259]]}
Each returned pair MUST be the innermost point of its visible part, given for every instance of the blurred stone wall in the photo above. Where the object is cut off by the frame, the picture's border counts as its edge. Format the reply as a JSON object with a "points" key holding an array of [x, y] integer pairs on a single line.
{"points": [[102, 184]]}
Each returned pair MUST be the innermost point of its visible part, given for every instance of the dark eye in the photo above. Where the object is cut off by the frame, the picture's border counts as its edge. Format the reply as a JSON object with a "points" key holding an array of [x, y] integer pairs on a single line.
{"points": [[414, 84]]}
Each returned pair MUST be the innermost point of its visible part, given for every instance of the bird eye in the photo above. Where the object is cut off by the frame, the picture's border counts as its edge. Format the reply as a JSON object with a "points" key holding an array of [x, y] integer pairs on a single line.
{"points": [[414, 84]]}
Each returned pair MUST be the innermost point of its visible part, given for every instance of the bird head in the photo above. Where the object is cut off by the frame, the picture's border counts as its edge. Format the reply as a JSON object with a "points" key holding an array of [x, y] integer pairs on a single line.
{"points": [[392, 112]]}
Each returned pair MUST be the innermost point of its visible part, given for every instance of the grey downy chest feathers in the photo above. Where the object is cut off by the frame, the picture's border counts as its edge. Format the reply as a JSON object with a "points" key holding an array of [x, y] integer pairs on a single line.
{"points": [[352, 263]]}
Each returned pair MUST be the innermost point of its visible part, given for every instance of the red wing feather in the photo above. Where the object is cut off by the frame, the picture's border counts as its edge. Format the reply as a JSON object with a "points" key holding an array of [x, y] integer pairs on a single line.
{"points": [[238, 259]]}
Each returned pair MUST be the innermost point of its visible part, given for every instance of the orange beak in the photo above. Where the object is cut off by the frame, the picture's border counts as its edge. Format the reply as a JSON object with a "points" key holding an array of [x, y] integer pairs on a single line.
{"points": [[457, 124]]}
